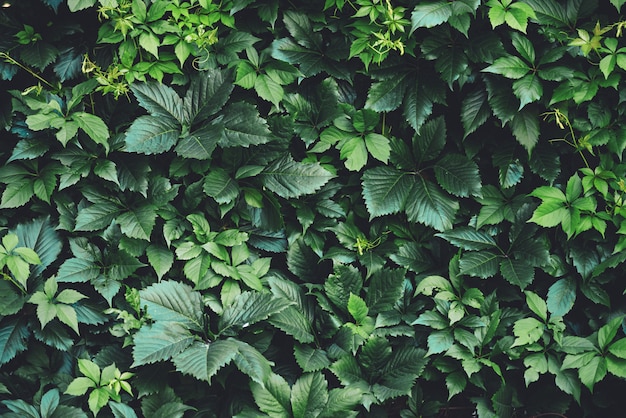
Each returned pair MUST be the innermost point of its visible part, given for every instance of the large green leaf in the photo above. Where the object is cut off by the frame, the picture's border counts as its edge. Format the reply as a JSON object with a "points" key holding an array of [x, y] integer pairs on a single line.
{"points": [[481, 264], [309, 395], [474, 111], [430, 140], [385, 290], [220, 186], [78, 270], [385, 190], [310, 359], [400, 372], [273, 396], [203, 360], [160, 100], [138, 222], [41, 236], [525, 127], [468, 238], [294, 323], [517, 272], [427, 204], [387, 95], [250, 308], [288, 178], [428, 15], [243, 126], [152, 135], [458, 175], [561, 296], [160, 341], [174, 302], [200, 143], [208, 93]]}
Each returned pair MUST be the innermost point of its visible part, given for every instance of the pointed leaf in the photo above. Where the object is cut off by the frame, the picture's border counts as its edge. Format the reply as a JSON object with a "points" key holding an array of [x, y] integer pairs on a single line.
{"points": [[561, 297], [481, 264], [385, 190], [243, 126], [203, 360], [468, 238], [386, 95], [428, 15], [458, 175], [208, 93], [474, 111], [159, 341], [428, 205], [309, 395], [220, 186], [250, 308], [273, 396], [525, 127], [159, 99], [517, 272], [200, 143], [160, 258], [310, 359], [288, 178], [174, 302], [152, 135], [13, 335]]}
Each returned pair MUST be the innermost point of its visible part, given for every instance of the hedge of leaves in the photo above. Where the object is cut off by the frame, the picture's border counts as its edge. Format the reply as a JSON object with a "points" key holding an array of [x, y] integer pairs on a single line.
{"points": [[312, 209]]}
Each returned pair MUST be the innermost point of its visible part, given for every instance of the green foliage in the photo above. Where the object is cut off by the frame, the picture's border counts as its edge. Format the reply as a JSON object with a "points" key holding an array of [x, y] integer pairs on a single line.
{"points": [[299, 209]]}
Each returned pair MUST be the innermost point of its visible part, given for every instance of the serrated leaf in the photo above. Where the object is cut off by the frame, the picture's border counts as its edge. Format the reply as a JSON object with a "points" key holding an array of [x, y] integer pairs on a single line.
{"points": [[310, 359], [208, 93], [13, 335], [294, 323], [481, 264], [250, 308], [537, 305], [203, 360], [17, 194], [510, 67], [174, 302], [160, 100], [428, 205], [592, 372], [528, 89], [220, 186], [386, 95], [288, 178], [93, 126], [385, 190], [561, 297], [152, 135], [475, 111], [525, 127], [430, 141], [440, 341], [517, 272], [200, 143], [385, 289], [309, 395], [76, 5], [428, 15], [468, 238], [458, 175], [77, 270], [160, 341], [268, 89], [273, 396], [243, 126], [160, 258]]}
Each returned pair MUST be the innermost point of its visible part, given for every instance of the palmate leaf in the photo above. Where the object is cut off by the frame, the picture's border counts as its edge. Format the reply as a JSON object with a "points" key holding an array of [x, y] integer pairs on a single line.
{"points": [[250, 308], [288, 178], [203, 360], [428, 205], [41, 236], [160, 341], [385, 190], [309, 395], [174, 302], [458, 175], [152, 135], [159, 99], [208, 93], [273, 396]]}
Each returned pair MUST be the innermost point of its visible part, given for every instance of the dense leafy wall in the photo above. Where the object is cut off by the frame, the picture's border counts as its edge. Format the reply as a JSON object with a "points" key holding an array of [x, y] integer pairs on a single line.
{"points": [[312, 209]]}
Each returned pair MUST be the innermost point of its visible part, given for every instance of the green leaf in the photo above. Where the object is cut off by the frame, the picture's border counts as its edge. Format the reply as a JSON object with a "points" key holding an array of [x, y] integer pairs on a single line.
{"points": [[561, 297], [386, 287], [42, 237], [468, 238], [550, 213], [475, 111], [273, 396], [13, 335], [288, 178], [160, 258], [456, 383], [592, 372], [310, 359], [525, 127], [250, 308], [429, 284], [386, 95], [428, 15], [268, 89], [481, 264], [200, 143], [159, 341], [357, 308], [309, 395], [17, 194], [67, 315], [93, 126], [537, 305], [208, 93], [160, 100], [293, 322], [76, 5], [152, 135], [378, 146], [510, 66], [517, 272], [430, 140], [607, 332], [80, 386], [528, 89], [220, 186], [618, 348], [527, 331], [174, 302], [458, 175], [385, 190], [440, 341], [78, 270], [203, 360], [251, 362], [138, 222], [243, 126], [428, 205]]}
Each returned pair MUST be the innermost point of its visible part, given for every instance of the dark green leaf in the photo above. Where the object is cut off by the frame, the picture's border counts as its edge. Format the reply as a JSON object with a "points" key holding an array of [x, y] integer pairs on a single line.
{"points": [[288, 178], [203, 360], [458, 175], [428, 205], [309, 395], [481, 264], [474, 111], [385, 190], [174, 302], [152, 135], [13, 335], [517, 272], [468, 238], [160, 341], [208, 93], [160, 100], [428, 15]]}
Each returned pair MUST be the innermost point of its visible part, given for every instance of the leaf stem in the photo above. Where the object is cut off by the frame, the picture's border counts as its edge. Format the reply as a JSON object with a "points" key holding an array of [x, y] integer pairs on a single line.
{"points": [[13, 61]]}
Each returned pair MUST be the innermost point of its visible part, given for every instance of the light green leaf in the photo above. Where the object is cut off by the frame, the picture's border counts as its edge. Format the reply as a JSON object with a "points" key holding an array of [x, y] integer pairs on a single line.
{"points": [[550, 213], [618, 348], [80, 386], [160, 258], [76, 5], [440, 341], [607, 332], [67, 315], [592, 372], [354, 152], [378, 146], [93, 126], [288, 178], [357, 308], [509, 66], [428, 205], [150, 42], [428, 15], [527, 331], [537, 305]]}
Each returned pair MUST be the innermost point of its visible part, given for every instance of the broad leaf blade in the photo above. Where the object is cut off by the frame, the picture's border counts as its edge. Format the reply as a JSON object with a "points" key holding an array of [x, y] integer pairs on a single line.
{"points": [[385, 190], [152, 135], [160, 341], [288, 178], [174, 302], [428, 205]]}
